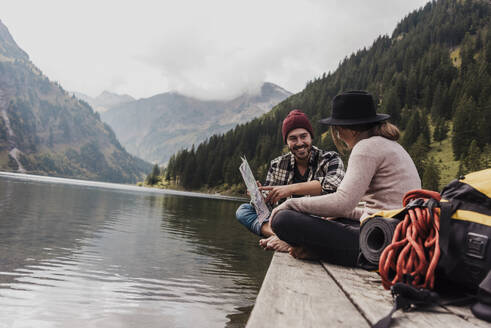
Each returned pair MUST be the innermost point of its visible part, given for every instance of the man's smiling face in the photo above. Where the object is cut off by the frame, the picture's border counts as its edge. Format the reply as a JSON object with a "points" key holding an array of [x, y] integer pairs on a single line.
{"points": [[299, 142]]}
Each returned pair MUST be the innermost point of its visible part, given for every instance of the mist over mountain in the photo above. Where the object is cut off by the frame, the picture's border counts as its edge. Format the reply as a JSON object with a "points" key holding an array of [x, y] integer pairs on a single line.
{"points": [[157, 127], [45, 130], [105, 101]]}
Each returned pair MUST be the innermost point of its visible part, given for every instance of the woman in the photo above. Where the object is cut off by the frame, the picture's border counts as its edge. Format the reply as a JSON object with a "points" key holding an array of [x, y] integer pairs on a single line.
{"points": [[379, 173]]}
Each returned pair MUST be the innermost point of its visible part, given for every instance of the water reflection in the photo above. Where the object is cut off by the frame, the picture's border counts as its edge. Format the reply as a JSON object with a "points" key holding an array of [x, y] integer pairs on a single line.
{"points": [[92, 257]]}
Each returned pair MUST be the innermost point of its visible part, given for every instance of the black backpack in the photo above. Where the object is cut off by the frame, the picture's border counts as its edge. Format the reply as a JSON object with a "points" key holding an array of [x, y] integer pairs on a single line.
{"points": [[465, 230], [465, 244]]}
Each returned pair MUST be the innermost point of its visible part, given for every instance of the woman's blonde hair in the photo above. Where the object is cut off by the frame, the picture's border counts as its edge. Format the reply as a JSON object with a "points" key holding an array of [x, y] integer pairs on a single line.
{"points": [[382, 129]]}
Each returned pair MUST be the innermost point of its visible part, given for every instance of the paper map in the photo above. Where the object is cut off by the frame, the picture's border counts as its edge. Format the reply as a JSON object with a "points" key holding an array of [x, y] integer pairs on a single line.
{"points": [[257, 199]]}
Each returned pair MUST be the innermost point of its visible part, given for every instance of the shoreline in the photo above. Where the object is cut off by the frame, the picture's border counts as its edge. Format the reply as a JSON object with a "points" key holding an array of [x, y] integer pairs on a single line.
{"points": [[117, 186], [223, 190]]}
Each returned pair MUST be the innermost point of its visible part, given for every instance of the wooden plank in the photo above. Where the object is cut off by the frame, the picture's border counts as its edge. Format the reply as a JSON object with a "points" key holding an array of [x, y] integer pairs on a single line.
{"points": [[366, 291], [466, 314], [300, 294]]}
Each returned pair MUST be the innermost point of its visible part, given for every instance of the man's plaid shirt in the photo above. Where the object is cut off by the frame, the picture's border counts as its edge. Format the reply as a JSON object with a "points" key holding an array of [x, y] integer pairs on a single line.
{"points": [[325, 166]]}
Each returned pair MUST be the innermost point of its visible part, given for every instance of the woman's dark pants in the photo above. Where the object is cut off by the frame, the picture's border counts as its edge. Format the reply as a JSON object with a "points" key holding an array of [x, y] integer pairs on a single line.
{"points": [[335, 241]]}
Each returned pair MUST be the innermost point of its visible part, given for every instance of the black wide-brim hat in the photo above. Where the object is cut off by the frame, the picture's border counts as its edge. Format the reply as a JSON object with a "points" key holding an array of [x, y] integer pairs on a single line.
{"points": [[353, 108]]}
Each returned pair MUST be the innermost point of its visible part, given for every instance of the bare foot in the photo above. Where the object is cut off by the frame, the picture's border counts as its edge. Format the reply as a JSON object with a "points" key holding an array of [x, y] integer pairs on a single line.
{"points": [[264, 242], [266, 230], [302, 253], [276, 244]]}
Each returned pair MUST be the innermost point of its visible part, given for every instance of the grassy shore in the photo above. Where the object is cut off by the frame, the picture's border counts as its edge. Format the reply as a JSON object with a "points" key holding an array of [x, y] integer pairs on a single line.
{"points": [[237, 190]]}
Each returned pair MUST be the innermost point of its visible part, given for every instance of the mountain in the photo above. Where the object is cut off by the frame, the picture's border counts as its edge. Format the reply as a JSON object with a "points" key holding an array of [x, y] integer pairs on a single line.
{"points": [[105, 101], [45, 130], [9, 50], [432, 75], [157, 127]]}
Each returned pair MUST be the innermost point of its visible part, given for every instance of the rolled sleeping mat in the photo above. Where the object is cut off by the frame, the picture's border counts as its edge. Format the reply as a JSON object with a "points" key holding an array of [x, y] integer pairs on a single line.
{"points": [[375, 235]]}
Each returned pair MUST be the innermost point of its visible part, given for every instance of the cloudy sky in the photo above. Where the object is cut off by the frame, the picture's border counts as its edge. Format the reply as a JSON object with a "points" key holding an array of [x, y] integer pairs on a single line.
{"points": [[211, 49]]}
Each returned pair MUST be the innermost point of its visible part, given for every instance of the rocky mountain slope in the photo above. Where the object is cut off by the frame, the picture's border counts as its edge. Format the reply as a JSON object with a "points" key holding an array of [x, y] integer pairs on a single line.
{"points": [[45, 130], [105, 101], [155, 128]]}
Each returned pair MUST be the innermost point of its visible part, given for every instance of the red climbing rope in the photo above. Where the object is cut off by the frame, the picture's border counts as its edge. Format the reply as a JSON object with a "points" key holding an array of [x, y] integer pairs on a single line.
{"points": [[413, 255]]}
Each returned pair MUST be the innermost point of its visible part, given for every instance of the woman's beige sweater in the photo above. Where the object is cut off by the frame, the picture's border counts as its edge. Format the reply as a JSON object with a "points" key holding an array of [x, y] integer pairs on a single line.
{"points": [[379, 173]]}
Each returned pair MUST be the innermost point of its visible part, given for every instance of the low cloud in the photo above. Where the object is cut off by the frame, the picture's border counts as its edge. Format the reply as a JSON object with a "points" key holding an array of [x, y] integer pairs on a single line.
{"points": [[278, 41], [213, 49]]}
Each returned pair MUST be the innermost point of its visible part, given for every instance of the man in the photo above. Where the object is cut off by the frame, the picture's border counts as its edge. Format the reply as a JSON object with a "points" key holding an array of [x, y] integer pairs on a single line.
{"points": [[305, 170]]}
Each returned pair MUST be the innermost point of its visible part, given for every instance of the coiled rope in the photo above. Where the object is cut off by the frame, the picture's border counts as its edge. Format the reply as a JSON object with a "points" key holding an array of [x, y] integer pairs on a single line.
{"points": [[413, 255]]}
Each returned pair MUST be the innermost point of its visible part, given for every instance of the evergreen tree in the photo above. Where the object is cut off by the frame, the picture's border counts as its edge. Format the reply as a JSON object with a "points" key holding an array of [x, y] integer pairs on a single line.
{"points": [[467, 51], [461, 170], [215, 177], [406, 114], [486, 157], [412, 88], [441, 130], [188, 177], [419, 152], [412, 130], [472, 162], [464, 127], [431, 175], [153, 177], [437, 108], [392, 106], [400, 88], [425, 130], [416, 127], [427, 100]]}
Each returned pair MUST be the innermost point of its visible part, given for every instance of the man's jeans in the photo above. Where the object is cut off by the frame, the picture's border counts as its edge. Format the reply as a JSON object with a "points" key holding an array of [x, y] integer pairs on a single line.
{"points": [[247, 216]]}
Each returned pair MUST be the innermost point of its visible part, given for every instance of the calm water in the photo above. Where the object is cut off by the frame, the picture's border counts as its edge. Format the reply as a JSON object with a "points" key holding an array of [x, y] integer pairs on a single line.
{"points": [[90, 256]]}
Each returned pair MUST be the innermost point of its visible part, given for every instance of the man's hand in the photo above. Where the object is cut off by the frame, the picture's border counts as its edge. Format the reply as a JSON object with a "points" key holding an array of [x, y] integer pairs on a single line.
{"points": [[277, 192]]}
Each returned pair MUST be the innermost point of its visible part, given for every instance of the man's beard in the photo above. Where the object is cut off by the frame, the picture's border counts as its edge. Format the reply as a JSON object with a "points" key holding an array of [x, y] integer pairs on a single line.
{"points": [[301, 152]]}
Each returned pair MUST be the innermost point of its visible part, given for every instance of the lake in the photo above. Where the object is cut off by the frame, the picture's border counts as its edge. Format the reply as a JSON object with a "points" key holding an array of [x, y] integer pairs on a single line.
{"points": [[87, 254]]}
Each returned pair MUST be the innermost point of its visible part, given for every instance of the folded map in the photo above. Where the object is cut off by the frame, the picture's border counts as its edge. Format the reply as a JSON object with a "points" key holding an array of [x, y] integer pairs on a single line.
{"points": [[257, 198]]}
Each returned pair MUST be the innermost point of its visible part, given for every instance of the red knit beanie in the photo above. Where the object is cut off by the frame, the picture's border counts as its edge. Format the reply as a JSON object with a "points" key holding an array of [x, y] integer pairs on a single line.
{"points": [[296, 119]]}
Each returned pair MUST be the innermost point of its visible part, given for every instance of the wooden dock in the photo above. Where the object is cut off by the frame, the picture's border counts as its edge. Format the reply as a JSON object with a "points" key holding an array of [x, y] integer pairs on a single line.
{"points": [[299, 293]]}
